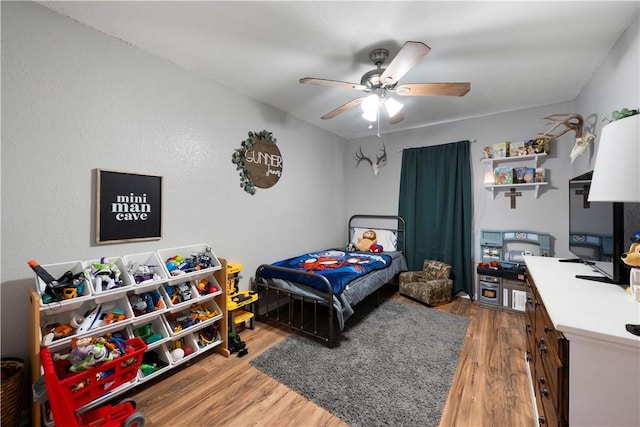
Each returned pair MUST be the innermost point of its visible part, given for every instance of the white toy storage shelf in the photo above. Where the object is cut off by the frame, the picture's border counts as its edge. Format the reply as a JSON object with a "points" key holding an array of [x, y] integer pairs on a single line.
{"points": [[152, 309]]}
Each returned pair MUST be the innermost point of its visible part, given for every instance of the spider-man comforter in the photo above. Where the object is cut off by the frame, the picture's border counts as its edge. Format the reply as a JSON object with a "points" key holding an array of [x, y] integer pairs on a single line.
{"points": [[337, 266]]}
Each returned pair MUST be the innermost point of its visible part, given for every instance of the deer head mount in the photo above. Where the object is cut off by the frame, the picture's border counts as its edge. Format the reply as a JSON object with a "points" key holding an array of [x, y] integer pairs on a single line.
{"points": [[381, 160], [563, 123]]}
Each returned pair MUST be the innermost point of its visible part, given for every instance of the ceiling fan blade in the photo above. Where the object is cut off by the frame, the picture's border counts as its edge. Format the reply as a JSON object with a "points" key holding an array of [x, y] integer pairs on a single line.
{"points": [[342, 108], [397, 118], [332, 83], [410, 54], [433, 89]]}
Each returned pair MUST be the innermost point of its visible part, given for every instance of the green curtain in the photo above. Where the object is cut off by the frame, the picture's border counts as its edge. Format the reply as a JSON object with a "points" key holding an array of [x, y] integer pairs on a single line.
{"points": [[436, 203]]}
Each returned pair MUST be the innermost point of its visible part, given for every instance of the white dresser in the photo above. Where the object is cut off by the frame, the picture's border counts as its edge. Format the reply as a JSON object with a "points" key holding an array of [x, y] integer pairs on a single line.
{"points": [[603, 358]]}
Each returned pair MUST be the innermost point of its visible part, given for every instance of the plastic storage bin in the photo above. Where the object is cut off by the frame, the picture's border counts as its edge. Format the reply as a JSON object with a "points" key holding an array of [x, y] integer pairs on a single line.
{"points": [[145, 269], [90, 319], [153, 332], [59, 271], [183, 259], [154, 362], [179, 294], [197, 315], [146, 303], [101, 279]]}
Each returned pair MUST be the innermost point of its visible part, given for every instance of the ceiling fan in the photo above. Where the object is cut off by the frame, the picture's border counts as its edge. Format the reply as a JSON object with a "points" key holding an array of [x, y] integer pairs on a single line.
{"points": [[380, 82]]}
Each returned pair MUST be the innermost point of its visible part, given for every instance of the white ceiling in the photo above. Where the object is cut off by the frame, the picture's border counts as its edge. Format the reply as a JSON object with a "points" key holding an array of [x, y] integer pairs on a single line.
{"points": [[515, 54]]}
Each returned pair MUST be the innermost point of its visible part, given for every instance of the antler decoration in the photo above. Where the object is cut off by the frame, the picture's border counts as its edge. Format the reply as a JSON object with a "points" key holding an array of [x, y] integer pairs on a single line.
{"points": [[565, 122], [380, 160]]}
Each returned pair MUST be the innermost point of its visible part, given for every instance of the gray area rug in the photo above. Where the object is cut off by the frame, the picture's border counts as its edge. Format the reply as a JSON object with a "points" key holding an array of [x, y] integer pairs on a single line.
{"points": [[392, 366]]}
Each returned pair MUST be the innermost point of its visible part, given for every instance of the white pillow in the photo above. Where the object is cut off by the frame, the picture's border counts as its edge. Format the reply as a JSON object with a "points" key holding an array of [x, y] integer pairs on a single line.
{"points": [[386, 238]]}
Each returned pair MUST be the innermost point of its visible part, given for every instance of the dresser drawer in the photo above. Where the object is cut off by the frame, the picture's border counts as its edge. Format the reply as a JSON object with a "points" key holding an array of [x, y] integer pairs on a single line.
{"points": [[550, 372], [547, 415]]}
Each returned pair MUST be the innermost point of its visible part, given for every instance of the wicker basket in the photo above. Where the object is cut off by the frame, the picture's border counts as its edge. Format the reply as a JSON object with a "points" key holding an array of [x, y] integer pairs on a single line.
{"points": [[12, 390]]}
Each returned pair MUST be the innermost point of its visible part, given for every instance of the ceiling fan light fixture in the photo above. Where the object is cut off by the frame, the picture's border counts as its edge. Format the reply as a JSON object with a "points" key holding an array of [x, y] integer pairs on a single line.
{"points": [[370, 116], [370, 107], [370, 103], [393, 106]]}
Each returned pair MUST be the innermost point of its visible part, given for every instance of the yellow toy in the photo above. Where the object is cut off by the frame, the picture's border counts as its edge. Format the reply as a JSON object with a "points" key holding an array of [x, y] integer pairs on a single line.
{"points": [[632, 259]]}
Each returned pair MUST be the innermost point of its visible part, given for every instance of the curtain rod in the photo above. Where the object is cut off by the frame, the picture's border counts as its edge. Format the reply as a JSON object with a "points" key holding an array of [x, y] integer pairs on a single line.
{"points": [[471, 140]]}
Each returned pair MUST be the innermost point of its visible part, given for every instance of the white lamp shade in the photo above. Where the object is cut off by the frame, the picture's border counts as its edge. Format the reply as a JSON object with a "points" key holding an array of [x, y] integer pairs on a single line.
{"points": [[370, 116], [393, 106], [370, 104], [616, 174]]}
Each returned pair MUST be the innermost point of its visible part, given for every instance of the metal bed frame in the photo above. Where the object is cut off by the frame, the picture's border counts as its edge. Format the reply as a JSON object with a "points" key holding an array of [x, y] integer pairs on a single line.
{"points": [[289, 308]]}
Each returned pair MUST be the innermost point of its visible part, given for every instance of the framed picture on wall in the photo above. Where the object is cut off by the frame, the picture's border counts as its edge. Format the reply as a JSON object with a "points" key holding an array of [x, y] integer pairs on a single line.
{"points": [[128, 207]]}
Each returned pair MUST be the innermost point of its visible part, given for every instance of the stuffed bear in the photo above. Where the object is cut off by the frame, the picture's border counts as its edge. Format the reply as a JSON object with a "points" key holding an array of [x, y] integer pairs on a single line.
{"points": [[368, 238], [632, 259]]}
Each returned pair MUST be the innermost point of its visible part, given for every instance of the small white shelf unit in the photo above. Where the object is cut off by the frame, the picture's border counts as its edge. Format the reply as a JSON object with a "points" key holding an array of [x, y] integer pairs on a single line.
{"points": [[533, 160]]}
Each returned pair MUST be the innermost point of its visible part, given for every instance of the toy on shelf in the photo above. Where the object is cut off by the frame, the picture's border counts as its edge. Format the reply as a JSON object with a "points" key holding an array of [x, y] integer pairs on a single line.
{"points": [[205, 287], [66, 287], [143, 273], [115, 315], [146, 302], [151, 363], [177, 352], [179, 293], [178, 265], [56, 331], [147, 334], [207, 336], [106, 275], [91, 319], [197, 313]]}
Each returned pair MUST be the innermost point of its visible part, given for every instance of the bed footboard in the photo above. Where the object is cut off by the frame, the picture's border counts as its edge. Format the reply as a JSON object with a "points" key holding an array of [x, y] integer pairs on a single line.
{"points": [[309, 315]]}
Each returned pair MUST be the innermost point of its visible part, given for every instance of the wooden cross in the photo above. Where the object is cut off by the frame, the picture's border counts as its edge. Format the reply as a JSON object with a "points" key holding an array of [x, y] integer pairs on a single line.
{"points": [[513, 194]]}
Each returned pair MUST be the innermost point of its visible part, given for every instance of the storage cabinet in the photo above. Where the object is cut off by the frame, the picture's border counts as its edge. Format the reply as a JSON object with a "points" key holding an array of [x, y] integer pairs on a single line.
{"points": [[530, 160], [166, 311], [548, 357], [584, 366]]}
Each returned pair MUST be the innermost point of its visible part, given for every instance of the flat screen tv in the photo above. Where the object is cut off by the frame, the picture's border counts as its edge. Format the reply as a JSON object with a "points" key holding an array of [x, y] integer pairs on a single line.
{"points": [[599, 232]]}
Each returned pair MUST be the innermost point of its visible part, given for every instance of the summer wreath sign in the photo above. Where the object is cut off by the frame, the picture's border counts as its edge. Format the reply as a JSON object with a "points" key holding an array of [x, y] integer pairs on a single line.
{"points": [[259, 162]]}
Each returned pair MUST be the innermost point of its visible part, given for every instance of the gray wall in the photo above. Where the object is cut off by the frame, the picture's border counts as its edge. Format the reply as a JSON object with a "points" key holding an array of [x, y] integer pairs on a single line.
{"points": [[74, 100]]}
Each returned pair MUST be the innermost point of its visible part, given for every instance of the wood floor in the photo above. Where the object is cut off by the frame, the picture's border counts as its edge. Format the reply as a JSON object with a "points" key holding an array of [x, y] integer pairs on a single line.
{"points": [[490, 387]]}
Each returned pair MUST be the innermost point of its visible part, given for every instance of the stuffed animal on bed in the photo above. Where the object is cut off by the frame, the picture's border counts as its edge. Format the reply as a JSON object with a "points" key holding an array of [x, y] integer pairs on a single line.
{"points": [[376, 248], [368, 238]]}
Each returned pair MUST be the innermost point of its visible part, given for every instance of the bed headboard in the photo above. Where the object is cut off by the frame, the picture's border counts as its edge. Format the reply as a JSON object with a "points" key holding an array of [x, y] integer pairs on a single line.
{"points": [[393, 223]]}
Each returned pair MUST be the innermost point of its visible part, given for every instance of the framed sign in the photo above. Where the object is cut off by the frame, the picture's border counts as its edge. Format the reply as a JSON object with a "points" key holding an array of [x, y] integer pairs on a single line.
{"points": [[128, 207], [259, 162]]}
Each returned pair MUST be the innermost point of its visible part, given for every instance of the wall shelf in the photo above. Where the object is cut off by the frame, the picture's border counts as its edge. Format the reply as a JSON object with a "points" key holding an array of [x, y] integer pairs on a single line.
{"points": [[494, 188], [537, 159], [531, 160]]}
